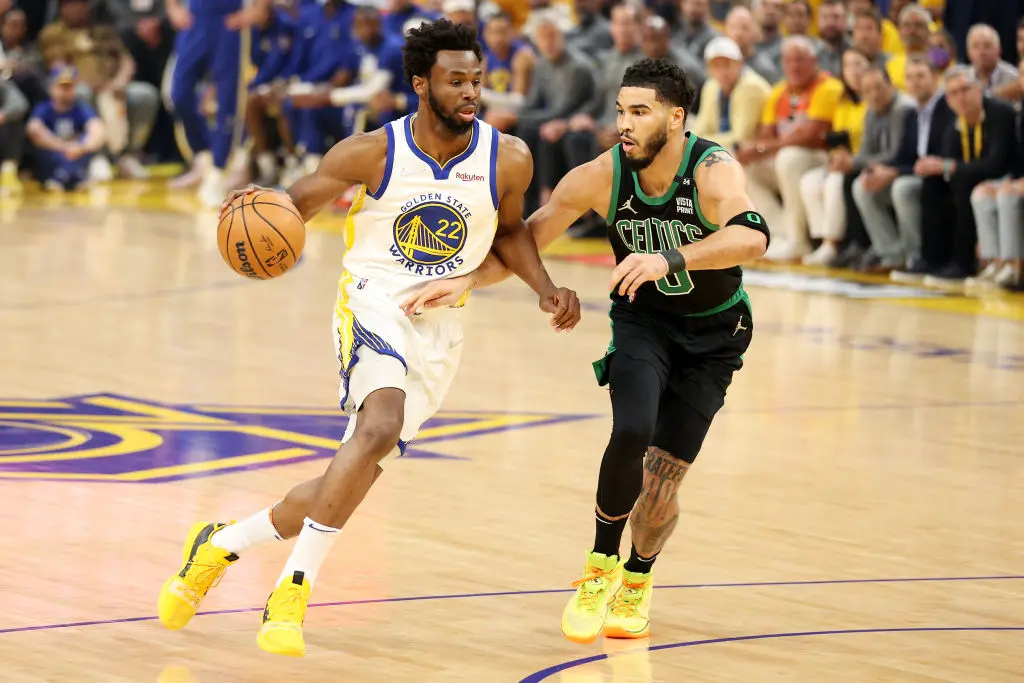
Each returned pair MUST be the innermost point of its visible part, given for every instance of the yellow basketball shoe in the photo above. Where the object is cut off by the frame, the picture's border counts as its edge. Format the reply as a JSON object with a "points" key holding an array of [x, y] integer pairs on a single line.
{"points": [[629, 616], [205, 564], [583, 616], [281, 632]]}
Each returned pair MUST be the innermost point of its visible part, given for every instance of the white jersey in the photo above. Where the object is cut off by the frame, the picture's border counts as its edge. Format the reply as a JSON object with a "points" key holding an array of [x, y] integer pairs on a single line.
{"points": [[425, 221]]}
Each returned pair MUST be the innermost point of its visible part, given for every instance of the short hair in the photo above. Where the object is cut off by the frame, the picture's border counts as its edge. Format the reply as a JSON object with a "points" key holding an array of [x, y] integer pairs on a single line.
{"points": [[923, 60], [829, 3], [961, 71], [874, 67], [914, 8], [873, 15], [803, 3], [419, 54], [671, 85], [802, 42], [499, 16], [986, 29]]}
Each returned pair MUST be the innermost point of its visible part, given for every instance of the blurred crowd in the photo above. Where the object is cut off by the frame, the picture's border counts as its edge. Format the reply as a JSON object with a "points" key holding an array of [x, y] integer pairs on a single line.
{"points": [[879, 135]]}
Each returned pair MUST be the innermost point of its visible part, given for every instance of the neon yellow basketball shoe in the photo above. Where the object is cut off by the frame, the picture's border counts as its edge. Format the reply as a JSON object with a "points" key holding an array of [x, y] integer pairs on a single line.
{"points": [[584, 615], [204, 567]]}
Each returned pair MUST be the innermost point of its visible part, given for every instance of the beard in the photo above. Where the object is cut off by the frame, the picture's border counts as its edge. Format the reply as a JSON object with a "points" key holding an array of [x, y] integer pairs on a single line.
{"points": [[448, 119], [648, 151]]}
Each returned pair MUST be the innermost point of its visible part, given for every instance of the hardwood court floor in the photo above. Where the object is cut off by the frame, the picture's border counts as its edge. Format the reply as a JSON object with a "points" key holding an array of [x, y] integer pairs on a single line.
{"points": [[856, 515]]}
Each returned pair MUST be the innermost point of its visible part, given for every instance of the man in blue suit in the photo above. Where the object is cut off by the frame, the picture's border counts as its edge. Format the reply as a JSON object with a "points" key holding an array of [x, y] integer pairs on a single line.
{"points": [[214, 38]]}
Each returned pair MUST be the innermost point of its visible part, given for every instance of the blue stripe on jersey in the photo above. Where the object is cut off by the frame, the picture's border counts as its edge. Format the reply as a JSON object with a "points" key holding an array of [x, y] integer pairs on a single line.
{"points": [[363, 337], [388, 164], [441, 172], [493, 175]]}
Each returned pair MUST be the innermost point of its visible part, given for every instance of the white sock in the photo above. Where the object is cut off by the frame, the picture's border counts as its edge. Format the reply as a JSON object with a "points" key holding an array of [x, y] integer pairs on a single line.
{"points": [[239, 537], [310, 551]]}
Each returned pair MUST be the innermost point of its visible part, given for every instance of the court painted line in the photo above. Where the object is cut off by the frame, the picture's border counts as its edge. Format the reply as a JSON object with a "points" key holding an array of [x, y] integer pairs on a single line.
{"points": [[550, 671], [499, 594]]}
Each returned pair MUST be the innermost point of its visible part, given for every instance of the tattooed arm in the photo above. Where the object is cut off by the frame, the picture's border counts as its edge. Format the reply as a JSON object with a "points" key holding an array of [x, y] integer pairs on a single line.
{"points": [[656, 512]]}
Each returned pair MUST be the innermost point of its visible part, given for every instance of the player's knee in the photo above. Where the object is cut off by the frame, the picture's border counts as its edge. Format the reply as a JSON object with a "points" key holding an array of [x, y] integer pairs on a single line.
{"points": [[630, 438], [380, 435]]}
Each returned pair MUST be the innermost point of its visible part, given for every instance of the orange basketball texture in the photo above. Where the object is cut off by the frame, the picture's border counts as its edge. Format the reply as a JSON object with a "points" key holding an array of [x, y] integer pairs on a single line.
{"points": [[262, 235]]}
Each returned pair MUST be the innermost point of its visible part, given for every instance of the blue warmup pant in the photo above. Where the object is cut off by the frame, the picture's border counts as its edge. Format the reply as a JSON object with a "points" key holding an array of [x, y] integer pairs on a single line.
{"points": [[207, 47], [312, 127], [52, 165]]}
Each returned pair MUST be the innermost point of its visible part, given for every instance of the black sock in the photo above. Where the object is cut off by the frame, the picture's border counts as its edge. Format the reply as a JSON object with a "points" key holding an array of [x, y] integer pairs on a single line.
{"points": [[637, 564], [608, 534]]}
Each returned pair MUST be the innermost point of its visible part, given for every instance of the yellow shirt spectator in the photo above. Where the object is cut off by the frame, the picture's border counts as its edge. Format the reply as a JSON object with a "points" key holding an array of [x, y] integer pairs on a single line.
{"points": [[786, 110], [849, 116], [891, 43]]}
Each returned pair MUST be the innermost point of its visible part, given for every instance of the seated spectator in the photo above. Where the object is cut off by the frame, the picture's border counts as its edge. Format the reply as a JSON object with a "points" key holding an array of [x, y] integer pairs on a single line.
{"points": [[914, 32], [889, 35], [400, 13], [997, 212], [66, 133], [790, 141], [21, 62], [768, 14], [127, 107], [883, 131], [508, 70], [591, 34], [1013, 91], [984, 52], [562, 83], [694, 31], [146, 33], [890, 192], [763, 58], [822, 187], [461, 12], [13, 107], [657, 44], [595, 120], [732, 98], [832, 34], [867, 36], [941, 50], [976, 150]]}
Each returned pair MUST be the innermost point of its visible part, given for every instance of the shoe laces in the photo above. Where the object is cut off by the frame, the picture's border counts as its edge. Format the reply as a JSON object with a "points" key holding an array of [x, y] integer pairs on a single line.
{"points": [[200, 578], [288, 606], [628, 600], [593, 584]]}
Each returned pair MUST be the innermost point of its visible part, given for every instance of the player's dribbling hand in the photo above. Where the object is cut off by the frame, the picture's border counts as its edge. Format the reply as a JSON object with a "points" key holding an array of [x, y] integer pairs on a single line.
{"points": [[564, 307], [446, 292], [635, 270], [235, 194]]}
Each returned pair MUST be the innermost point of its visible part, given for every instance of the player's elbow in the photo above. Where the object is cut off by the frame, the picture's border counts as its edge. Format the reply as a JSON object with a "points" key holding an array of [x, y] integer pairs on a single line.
{"points": [[756, 244]]}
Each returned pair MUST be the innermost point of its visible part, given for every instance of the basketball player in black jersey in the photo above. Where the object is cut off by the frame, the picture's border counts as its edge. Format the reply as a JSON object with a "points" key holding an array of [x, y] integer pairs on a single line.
{"points": [[680, 223]]}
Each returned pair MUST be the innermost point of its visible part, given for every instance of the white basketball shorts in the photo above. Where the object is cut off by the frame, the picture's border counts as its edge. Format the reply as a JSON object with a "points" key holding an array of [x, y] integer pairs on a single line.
{"points": [[379, 347]]}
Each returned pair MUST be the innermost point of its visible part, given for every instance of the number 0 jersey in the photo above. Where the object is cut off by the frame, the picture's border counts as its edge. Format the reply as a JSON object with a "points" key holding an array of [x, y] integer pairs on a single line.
{"points": [[425, 221], [638, 224]]}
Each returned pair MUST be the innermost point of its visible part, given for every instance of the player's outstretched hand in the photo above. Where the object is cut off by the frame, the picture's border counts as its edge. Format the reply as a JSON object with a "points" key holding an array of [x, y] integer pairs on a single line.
{"points": [[635, 270], [235, 194], [564, 307], [446, 292]]}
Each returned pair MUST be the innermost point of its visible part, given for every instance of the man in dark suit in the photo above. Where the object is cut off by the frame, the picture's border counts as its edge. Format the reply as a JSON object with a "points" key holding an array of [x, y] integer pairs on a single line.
{"points": [[891, 203], [977, 148]]}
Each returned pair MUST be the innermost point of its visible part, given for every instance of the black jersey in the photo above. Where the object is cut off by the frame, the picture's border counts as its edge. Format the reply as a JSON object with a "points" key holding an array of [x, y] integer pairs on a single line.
{"points": [[638, 224]]}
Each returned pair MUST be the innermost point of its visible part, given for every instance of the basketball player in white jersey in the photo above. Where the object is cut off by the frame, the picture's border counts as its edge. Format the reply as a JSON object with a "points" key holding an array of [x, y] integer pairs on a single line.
{"points": [[437, 191]]}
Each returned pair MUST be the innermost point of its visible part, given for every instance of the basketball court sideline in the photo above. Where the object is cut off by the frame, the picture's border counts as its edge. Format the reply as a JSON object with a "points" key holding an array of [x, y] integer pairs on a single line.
{"points": [[854, 515]]}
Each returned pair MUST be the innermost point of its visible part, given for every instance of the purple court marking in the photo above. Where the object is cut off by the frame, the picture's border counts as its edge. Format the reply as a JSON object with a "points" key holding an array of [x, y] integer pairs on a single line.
{"points": [[498, 594], [546, 673]]}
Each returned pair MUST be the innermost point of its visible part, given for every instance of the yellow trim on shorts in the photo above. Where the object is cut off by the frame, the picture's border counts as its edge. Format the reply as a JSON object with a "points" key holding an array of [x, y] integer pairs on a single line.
{"points": [[350, 223], [346, 323]]}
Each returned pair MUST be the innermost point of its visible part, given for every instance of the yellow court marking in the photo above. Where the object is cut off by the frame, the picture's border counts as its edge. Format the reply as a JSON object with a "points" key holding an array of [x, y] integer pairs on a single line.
{"points": [[41, 405], [215, 465], [73, 439], [161, 412], [132, 440]]}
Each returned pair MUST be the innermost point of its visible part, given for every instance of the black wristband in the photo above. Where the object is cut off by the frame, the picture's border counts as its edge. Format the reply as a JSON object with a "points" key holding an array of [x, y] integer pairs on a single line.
{"points": [[675, 259]]}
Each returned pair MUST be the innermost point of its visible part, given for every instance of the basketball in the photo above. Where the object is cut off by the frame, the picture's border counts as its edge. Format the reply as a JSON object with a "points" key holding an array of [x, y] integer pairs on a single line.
{"points": [[262, 235]]}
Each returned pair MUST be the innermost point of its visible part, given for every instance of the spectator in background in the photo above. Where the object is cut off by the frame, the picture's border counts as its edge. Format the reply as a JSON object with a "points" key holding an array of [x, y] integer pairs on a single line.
{"points": [[508, 70], [889, 35], [997, 212], [822, 187], [562, 82], [832, 34], [694, 31], [941, 50], [741, 28], [769, 18], [890, 197], [595, 120], [984, 51], [106, 70], [867, 36], [914, 32], [591, 35], [796, 19], [13, 107], [400, 13], [732, 98], [460, 12], [21, 62], [39, 13], [657, 44], [65, 132], [146, 33], [790, 141], [976, 150], [883, 131]]}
